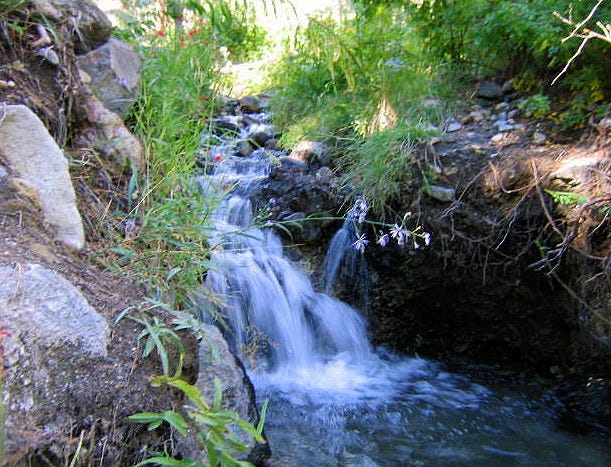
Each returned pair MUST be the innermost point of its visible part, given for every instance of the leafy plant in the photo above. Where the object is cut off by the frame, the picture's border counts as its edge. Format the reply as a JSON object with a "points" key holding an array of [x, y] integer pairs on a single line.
{"points": [[215, 428], [567, 197], [537, 105]]}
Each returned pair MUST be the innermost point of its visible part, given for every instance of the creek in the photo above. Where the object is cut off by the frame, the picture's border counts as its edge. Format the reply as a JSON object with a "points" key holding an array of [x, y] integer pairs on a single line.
{"points": [[336, 400]]}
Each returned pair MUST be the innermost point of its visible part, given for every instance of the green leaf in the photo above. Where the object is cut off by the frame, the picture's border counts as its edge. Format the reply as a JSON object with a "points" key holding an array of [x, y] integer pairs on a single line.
{"points": [[177, 421]]}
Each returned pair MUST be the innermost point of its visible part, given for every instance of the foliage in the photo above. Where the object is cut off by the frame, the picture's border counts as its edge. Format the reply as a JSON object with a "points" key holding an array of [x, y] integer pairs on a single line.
{"points": [[214, 427], [226, 26], [169, 250], [537, 105], [348, 82], [520, 39]]}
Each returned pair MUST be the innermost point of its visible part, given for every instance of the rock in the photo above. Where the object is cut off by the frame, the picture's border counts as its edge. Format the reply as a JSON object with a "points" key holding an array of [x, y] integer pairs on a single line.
{"points": [[106, 133], [293, 163], [272, 144], [216, 361], [249, 105], [503, 126], [490, 90], [259, 133], [453, 126], [91, 28], [501, 106], [243, 149], [114, 69], [441, 193], [539, 137], [55, 339], [49, 55], [508, 87], [581, 170], [226, 123], [308, 151], [33, 155]]}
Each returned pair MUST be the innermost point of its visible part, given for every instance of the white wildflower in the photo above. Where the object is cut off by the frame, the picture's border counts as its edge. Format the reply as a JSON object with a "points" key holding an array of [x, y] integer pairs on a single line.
{"points": [[427, 238], [361, 243]]}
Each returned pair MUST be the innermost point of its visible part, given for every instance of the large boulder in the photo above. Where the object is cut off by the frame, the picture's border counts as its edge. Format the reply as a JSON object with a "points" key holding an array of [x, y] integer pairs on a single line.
{"points": [[33, 156], [114, 69], [90, 26], [54, 340]]}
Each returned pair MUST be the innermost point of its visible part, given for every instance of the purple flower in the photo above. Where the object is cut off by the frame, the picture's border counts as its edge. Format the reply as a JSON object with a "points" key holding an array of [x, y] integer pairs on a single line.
{"points": [[427, 238], [383, 240], [361, 243]]}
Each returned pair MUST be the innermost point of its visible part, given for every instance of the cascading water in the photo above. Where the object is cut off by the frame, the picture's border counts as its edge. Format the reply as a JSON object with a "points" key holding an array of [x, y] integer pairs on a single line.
{"points": [[334, 399]]}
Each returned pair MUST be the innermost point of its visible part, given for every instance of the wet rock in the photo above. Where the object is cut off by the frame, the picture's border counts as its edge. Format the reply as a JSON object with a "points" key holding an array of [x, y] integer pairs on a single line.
{"points": [[249, 105], [308, 151], [243, 149], [226, 124], [272, 144], [441, 193], [490, 90], [55, 340], [33, 155], [293, 163], [586, 405], [114, 69], [91, 28]]}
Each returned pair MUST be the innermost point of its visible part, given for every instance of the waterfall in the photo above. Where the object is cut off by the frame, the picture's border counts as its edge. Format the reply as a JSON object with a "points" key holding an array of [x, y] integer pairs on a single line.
{"points": [[291, 337], [334, 399]]}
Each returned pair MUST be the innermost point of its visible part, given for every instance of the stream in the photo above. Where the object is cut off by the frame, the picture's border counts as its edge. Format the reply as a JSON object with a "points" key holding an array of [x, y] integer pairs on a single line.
{"points": [[335, 400]]}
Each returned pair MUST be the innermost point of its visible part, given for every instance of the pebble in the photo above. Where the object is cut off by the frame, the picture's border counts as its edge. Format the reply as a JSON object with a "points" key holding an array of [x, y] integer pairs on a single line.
{"points": [[441, 193], [539, 137], [452, 127]]}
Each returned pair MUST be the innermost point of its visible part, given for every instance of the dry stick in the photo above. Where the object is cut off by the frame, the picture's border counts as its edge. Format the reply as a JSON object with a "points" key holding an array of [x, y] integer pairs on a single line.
{"points": [[589, 35]]}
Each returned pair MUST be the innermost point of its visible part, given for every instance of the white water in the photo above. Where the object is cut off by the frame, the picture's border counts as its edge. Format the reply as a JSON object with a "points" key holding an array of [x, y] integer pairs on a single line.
{"points": [[335, 400]]}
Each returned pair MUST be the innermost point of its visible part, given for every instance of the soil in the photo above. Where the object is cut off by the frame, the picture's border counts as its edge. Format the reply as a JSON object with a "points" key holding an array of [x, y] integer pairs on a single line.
{"points": [[121, 386]]}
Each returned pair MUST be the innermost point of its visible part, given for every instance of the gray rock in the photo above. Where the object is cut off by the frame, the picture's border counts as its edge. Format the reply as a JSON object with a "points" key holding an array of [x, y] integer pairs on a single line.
{"points": [[453, 126], [249, 105], [49, 55], [114, 69], [508, 87], [503, 126], [216, 361], [490, 90], [308, 151], [539, 137], [441, 193], [55, 339], [33, 155], [91, 28], [106, 132], [243, 149]]}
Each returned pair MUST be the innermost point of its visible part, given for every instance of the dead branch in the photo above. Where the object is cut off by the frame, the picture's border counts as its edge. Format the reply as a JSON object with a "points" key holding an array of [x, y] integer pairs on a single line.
{"points": [[585, 34]]}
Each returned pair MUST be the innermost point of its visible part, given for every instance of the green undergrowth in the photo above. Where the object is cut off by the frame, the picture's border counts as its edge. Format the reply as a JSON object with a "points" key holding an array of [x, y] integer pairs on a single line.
{"points": [[365, 87], [385, 78]]}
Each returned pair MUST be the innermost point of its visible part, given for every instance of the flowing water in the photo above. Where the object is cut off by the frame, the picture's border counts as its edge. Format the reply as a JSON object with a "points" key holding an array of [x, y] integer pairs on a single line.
{"points": [[334, 399]]}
